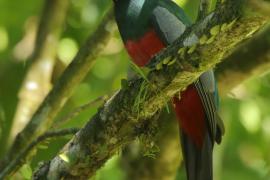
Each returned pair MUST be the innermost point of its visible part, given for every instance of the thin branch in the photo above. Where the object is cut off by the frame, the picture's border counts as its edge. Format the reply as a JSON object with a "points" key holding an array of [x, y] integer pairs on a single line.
{"points": [[21, 157], [80, 109], [55, 100], [117, 122]]}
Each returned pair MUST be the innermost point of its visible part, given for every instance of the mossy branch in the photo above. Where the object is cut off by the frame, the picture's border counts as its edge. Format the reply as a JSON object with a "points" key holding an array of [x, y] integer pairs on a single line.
{"points": [[116, 123], [249, 60]]}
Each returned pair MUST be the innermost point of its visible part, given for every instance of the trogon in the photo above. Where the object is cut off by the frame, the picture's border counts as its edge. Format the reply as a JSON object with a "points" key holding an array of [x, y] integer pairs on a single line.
{"points": [[148, 26]]}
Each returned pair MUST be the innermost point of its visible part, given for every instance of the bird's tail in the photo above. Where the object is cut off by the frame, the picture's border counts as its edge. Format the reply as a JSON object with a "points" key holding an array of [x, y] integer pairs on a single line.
{"points": [[198, 160]]}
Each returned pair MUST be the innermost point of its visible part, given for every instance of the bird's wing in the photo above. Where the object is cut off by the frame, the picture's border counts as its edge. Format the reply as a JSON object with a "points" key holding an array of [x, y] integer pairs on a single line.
{"points": [[207, 90], [169, 21]]}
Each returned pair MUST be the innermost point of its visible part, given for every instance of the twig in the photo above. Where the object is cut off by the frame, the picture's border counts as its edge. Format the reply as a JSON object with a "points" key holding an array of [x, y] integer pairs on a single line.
{"points": [[115, 124], [21, 157], [55, 100], [80, 109]]}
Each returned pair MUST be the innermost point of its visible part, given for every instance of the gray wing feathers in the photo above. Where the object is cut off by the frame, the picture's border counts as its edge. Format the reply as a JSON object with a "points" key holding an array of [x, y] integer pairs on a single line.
{"points": [[168, 25], [206, 89], [208, 80]]}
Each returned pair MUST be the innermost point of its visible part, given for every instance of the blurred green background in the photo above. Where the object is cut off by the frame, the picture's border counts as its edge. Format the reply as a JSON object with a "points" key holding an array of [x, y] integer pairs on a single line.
{"points": [[244, 153]]}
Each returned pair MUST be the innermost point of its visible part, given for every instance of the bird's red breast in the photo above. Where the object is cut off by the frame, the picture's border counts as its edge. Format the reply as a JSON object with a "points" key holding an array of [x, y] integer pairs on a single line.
{"points": [[143, 49]]}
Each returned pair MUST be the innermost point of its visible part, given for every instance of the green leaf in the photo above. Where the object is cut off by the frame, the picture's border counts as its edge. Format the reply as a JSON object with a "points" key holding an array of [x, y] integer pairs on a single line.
{"points": [[140, 71]]}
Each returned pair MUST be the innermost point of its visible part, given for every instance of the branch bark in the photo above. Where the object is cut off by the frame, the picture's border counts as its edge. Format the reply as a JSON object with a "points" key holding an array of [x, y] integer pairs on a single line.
{"points": [[117, 122]]}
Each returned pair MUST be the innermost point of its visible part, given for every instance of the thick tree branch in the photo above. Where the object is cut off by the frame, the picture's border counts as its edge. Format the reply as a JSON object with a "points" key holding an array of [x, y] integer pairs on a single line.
{"points": [[117, 121], [249, 60], [72, 76]]}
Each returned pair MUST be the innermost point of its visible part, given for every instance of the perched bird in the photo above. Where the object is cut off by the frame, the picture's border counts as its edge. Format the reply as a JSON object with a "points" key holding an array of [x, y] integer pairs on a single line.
{"points": [[148, 26]]}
